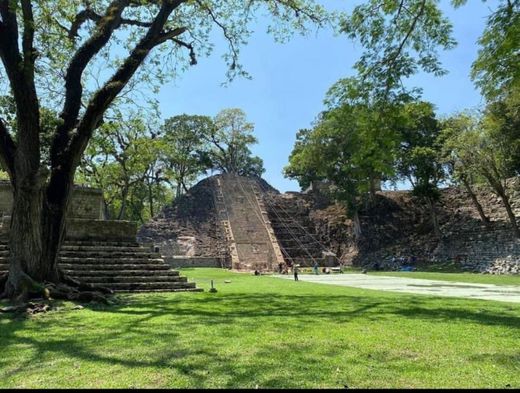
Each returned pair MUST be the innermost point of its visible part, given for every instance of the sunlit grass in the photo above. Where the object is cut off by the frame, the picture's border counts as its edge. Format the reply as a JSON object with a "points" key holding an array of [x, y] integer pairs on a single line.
{"points": [[265, 332]]}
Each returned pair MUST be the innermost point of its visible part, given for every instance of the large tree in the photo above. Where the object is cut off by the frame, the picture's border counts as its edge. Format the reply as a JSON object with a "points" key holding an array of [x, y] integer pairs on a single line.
{"points": [[497, 68], [230, 140], [473, 144], [418, 157], [458, 157], [186, 148], [80, 56], [125, 158], [352, 145]]}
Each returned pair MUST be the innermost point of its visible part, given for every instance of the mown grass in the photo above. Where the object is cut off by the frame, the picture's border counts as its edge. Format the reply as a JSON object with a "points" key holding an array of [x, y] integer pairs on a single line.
{"points": [[266, 332]]}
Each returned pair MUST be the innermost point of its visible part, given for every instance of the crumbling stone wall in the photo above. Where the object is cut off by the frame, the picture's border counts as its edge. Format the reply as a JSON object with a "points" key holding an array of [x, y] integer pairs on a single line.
{"points": [[85, 203], [192, 216], [85, 217], [395, 224], [399, 225]]}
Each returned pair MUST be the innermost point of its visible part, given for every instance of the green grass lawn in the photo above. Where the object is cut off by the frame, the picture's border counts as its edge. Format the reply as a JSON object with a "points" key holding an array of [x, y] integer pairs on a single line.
{"points": [[265, 332]]}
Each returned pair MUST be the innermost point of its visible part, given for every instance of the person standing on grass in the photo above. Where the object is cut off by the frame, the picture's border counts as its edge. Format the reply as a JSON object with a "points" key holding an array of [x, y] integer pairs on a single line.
{"points": [[295, 271], [316, 268]]}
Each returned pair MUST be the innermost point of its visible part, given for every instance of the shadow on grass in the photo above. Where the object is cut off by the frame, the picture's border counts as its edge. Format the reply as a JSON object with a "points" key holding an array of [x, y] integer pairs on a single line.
{"points": [[161, 321]]}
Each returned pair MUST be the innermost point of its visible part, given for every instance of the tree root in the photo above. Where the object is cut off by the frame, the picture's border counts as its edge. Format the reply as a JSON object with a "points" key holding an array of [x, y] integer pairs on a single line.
{"points": [[66, 289], [67, 292], [83, 286]]}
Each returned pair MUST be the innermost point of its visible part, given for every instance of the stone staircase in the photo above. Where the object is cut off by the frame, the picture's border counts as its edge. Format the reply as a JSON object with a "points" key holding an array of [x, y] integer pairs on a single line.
{"points": [[251, 245], [120, 266]]}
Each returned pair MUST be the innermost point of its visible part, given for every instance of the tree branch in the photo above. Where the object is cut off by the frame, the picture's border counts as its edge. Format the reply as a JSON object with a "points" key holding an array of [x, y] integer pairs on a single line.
{"points": [[408, 33], [21, 80], [106, 94], [88, 13], [9, 49], [80, 60], [28, 38]]}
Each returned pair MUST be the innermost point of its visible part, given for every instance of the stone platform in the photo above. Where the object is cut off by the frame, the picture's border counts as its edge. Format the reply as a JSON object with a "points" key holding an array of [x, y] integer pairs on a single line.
{"points": [[101, 252]]}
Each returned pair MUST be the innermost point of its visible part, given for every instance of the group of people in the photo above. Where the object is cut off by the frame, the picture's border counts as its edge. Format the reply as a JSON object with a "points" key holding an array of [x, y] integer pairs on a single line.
{"points": [[283, 268], [402, 260]]}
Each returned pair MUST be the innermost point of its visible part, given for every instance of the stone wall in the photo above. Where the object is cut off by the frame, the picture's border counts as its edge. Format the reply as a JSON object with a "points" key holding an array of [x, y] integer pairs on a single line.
{"points": [[395, 224], [182, 261], [85, 218], [189, 226], [85, 203], [101, 230], [399, 225]]}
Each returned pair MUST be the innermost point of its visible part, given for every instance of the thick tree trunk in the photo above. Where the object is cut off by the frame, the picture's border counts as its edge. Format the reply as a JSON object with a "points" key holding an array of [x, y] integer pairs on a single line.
{"points": [[150, 199], [35, 237], [483, 217], [26, 266], [435, 219], [124, 196], [36, 234], [357, 226], [375, 185], [512, 218], [500, 190]]}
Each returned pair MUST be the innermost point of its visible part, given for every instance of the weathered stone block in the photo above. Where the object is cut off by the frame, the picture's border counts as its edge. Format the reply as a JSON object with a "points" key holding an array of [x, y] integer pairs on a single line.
{"points": [[107, 230]]}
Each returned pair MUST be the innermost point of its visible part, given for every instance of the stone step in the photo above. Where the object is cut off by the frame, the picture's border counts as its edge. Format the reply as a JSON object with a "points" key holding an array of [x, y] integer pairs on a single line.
{"points": [[104, 248], [122, 279], [126, 273], [161, 290], [118, 267], [106, 254], [98, 243], [82, 258], [146, 285], [111, 261]]}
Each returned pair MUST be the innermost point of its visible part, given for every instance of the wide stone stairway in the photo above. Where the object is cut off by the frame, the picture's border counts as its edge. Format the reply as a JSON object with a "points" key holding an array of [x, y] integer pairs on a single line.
{"points": [[99, 251], [121, 266], [251, 239]]}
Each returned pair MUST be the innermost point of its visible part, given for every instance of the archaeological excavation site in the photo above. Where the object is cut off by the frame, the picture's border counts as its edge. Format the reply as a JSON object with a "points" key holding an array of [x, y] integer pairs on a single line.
{"points": [[241, 223], [244, 224]]}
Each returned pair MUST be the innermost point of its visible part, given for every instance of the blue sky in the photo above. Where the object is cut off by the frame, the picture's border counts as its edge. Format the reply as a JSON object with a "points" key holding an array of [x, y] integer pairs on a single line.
{"points": [[290, 81]]}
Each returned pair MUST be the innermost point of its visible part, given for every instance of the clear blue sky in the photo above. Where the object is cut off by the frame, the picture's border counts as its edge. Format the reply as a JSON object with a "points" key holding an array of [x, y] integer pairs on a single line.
{"points": [[290, 81]]}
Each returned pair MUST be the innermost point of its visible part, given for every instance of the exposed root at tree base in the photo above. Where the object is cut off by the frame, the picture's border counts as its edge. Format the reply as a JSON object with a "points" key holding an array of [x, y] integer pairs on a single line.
{"points": [[66, 289], [84, 286]]}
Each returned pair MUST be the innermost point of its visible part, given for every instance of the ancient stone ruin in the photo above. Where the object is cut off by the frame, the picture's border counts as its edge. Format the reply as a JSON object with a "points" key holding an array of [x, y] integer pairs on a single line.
{"points": [[236, 222], [101, 252], [245, 224]]}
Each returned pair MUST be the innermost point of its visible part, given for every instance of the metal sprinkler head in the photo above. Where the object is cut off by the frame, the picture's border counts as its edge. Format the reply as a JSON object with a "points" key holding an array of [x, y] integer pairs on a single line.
{"points": [[212, 289]]}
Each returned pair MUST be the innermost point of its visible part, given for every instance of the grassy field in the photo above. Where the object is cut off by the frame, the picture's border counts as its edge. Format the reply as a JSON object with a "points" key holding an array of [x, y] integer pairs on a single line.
{"points": [[265, 332]]}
